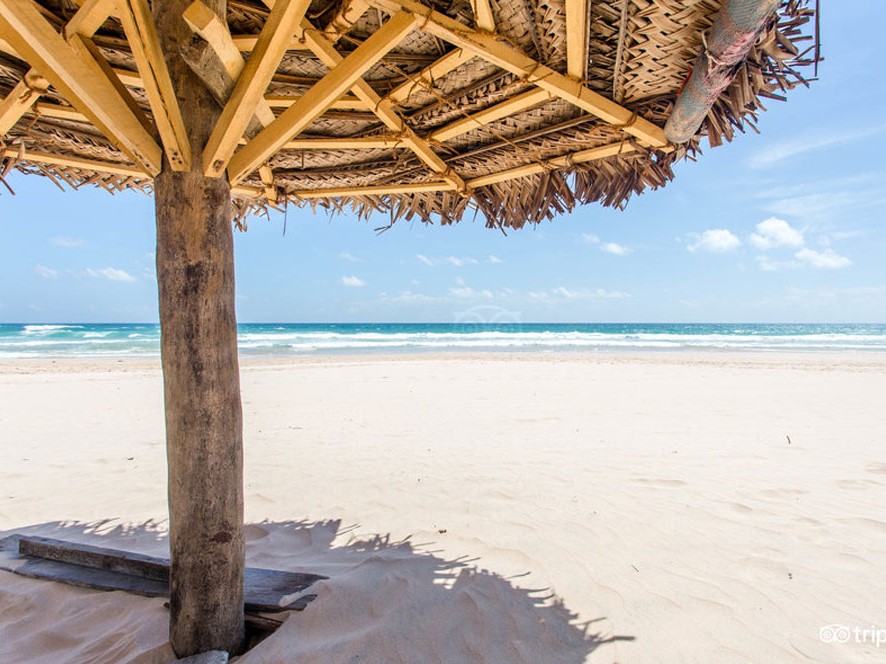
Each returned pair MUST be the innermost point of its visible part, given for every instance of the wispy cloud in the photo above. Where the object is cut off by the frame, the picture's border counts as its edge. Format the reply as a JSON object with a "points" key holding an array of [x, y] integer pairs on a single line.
{"points": [[110, 273], [468, 293], [46, 272], [561, 293], [615, 248], [823, 139], [345, 256], [823, 260], [458, 262], [405, 297], [352, 282], [774, 232], [715, 240], [455, 261], [69, 242], [495, 260], [608, 247], [820, 204], [820, 260]]}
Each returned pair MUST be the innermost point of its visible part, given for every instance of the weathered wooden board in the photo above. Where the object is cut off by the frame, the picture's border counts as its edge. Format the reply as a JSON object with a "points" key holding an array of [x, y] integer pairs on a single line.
{"points": [[110, 569]]}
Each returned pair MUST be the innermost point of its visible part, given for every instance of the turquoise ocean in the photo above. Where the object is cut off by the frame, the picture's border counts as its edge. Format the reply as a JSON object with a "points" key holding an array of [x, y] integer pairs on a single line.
{"points": [[282, 339]]}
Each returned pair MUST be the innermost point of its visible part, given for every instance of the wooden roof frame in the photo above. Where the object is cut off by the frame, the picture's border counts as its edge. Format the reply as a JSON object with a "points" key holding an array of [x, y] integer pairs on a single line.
{"points": [[343, 87]]}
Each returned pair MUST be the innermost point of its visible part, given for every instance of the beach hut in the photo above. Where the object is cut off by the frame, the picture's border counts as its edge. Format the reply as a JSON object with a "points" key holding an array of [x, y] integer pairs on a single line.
{"points": [[429, 110]]}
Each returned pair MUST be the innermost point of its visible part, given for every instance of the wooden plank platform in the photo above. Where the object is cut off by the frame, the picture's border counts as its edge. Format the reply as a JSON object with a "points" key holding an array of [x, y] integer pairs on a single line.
{"points": [[110, 569]]}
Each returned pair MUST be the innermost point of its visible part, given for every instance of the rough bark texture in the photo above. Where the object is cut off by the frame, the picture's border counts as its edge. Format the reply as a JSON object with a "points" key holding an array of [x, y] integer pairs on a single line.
{"points": [[195, 272]]}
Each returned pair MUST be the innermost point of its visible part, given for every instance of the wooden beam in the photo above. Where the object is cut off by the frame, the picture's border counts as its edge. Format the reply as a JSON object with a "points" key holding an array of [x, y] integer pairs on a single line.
{"points": [[6, 47], [582, 156], [483, 15], [59, 111], [78, 163], [89, 18], [380, 190], [20, 100], [206, 23], [350, 12], [493, 49], [138, 25], [126, 77], [252, 83], [267, 179], [345, 103], [209, 25], [496, 112], [429, 74], [80, 79], [577, 29], [316, 100], [381, 142], [88, 51], [564, 161], [384, 109]]}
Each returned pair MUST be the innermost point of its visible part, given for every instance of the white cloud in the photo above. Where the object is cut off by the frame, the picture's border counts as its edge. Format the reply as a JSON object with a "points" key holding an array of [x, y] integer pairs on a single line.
{"points": [[70, 242], [715, 240], [774, 232], [424, 259], [495, 260], [590, 238], [46, 272], [110, 273], [823, 260], [345, 256], [614, 248], [466, 292], [352, 282]]}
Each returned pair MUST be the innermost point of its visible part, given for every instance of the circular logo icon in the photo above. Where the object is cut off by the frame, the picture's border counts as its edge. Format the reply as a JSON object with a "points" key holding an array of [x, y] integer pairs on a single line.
{"points": [[834, 633]]}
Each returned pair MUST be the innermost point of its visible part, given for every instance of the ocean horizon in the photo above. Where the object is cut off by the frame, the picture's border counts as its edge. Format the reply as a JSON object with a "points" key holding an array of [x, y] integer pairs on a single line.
{"points": [[23, 340]]}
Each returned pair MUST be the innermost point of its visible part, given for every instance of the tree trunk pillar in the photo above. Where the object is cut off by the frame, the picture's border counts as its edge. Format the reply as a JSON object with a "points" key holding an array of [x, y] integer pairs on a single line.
{"points": [[201, 381]]}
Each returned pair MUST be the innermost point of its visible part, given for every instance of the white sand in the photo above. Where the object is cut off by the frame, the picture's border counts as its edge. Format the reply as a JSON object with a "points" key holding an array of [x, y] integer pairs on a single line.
{"points": [[492, 509]]}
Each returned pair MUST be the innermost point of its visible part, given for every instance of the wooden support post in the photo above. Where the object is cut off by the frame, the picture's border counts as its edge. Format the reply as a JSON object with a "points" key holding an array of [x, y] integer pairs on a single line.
{"points": [[195, 274]]}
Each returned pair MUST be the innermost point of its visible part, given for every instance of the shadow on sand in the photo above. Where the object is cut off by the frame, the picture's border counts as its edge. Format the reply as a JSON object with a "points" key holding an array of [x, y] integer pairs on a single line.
{"points": [[384, 602]]}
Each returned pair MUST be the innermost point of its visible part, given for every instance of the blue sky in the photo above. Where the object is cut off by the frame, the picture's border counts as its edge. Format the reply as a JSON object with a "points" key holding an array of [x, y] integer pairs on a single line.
{"points": [[785, 226]]}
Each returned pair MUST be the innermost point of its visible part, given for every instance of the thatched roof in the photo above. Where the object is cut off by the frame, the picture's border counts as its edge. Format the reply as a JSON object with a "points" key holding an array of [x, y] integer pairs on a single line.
{"points": [[477, 105]]}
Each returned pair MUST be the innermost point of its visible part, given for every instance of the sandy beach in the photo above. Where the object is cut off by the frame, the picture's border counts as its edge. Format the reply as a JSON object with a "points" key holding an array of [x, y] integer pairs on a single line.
{"points": [[561, 508]]}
